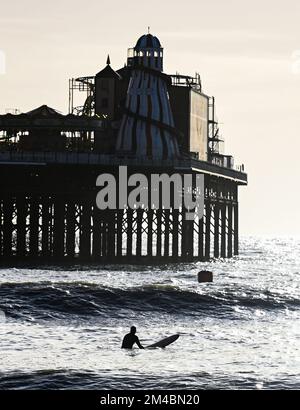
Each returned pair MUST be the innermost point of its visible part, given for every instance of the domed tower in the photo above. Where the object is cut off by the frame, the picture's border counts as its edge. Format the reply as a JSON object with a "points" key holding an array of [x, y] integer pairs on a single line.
{"points": [[147, 128]]}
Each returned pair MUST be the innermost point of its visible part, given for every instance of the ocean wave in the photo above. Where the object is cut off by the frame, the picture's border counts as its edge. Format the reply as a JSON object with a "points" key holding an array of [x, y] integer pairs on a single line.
{"points": [[48, 300], [88, 380]]}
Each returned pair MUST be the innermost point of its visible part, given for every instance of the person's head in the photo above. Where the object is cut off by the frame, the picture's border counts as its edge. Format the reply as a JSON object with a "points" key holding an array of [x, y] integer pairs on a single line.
{"points": [[133, 330]]}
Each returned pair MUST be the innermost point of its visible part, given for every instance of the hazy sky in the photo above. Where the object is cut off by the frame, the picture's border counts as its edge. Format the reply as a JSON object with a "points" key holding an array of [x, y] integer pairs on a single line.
{"points": [[247, 52]]}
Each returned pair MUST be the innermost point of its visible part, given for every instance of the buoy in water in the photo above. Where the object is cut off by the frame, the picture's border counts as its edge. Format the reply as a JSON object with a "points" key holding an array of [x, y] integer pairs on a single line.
{"points": [[205, 276]]}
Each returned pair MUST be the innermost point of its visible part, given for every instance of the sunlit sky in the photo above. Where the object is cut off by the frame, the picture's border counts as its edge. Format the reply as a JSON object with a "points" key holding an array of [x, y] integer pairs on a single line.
{"points": [[248, 55]]}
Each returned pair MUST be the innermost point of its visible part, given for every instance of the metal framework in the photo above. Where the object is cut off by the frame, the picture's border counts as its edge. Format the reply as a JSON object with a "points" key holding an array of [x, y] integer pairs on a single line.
{"points": [[187, 81], [84, 85]]}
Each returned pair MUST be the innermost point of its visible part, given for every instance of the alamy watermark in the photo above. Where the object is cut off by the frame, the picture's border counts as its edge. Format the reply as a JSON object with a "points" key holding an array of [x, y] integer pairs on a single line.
{"points": [[2, 63], [296, 62], [156, 192]]}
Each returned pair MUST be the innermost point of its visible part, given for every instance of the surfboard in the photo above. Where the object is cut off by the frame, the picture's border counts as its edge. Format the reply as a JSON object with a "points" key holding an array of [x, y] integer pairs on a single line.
{"points": [[164, 342]]}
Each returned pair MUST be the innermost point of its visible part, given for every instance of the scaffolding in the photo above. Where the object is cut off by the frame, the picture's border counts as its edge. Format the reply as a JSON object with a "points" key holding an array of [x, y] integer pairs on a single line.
{"points": [[81, 89], [215, 142], [179, 80], [78, 86]]}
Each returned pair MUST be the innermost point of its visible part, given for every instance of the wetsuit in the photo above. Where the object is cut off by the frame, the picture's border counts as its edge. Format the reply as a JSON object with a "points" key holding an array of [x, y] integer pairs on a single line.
{"points": [[129, 340]]}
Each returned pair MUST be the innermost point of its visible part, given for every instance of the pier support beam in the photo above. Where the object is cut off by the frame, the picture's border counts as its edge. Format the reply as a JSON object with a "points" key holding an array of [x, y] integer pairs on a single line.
{"points": [[229, 251], [158, 232], [139, 227], [7, 226], [167, 233], [187, 238], [129, 232], [223, 230], [120, 214], [200, 239], [111, 233], [21, 226], [85, 230], [96, 244], [175, 213], [34, 226], [59, 227], [236, 229], [217, 230], [150, 233], [207, 229], [46, 227], [70, 228]]}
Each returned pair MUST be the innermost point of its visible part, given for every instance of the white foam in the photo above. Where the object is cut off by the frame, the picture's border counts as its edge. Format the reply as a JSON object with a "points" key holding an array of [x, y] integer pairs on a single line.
{"points": [[2, 317]]}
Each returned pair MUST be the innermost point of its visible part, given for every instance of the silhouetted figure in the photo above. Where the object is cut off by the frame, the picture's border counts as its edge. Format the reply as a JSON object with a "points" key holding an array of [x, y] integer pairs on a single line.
{"points": [[130, 339]]}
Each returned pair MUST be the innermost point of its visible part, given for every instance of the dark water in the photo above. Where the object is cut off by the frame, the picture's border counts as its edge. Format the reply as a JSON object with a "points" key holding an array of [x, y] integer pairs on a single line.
{"points": [[63, 328]]}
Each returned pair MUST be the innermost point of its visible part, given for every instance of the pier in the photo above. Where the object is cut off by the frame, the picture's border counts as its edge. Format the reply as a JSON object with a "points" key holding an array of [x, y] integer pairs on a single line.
{"points": [[137, 117]]}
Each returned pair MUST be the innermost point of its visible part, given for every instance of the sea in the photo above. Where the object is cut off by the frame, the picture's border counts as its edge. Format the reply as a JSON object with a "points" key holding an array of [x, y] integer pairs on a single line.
{"points": [[62, 327]]}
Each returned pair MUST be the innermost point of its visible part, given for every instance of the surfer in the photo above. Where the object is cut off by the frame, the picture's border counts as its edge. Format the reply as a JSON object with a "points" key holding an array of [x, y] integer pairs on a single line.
{"points": [[130, 339]]}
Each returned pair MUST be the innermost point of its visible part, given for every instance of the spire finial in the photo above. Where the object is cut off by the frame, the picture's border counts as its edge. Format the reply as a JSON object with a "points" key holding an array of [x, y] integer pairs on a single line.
{"points": [[148, 29], [108, 60]]}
